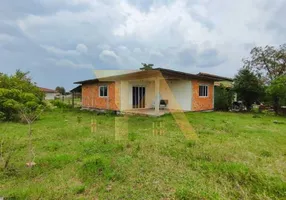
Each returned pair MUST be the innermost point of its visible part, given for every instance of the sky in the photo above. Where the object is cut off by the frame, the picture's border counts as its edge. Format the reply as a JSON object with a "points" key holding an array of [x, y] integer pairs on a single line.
{"points": [[63, 41]]}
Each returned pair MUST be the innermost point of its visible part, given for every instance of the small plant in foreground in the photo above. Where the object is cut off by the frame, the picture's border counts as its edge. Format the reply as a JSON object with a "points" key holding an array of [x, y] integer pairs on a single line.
{"points": [[79, 189]]}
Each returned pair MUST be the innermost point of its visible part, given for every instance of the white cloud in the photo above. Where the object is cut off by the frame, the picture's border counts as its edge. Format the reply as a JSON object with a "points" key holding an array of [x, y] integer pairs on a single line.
{"points": [[109, 56], [6, 38], [137, 50], [82, 48], [59, 51], [103, 47], [70, 64], [179, 34]]}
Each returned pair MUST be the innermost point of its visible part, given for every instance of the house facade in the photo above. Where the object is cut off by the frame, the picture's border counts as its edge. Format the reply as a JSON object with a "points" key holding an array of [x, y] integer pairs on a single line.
{"points": [[157, 91], [49, 93]]}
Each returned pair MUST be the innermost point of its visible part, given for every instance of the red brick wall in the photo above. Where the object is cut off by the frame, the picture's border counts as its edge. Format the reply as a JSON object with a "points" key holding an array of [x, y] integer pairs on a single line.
{"points": [[91, 99], [202, 103]]}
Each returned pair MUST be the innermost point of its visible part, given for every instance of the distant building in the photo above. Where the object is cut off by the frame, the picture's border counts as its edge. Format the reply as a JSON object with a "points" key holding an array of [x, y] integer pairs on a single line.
{"points": [[49, 93]]}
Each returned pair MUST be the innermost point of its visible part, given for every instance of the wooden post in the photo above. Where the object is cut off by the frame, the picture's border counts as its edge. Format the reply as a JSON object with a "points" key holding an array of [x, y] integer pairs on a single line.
{"points": [[93, 126], [73, 99]]}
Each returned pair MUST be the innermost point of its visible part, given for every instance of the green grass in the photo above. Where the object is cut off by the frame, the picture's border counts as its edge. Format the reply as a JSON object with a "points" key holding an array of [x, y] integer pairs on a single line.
{"points": [[236, 156]]}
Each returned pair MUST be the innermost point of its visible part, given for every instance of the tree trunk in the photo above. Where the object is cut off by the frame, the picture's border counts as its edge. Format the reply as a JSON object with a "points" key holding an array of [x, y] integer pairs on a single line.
{"points": [[276, 105]]}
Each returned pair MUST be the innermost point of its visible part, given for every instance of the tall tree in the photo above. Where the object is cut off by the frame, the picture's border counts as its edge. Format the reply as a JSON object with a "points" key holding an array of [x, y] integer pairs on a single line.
{"points": [[277, 88], [268, 63], [248, 87], [60, 90], [146, 66]]}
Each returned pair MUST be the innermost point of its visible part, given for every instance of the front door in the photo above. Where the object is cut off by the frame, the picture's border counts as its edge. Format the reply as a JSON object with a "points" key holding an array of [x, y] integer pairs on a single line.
{"points": [[138, 97]]}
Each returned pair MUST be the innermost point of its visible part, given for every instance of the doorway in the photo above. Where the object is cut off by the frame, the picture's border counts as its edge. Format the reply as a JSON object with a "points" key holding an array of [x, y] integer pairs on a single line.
{"points": [[138, 96]]}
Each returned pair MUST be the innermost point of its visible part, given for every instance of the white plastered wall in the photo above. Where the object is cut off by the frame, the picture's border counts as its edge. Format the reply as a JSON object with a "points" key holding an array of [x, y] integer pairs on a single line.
{"points": [[178, 93], [50, 96], [126, 93]]}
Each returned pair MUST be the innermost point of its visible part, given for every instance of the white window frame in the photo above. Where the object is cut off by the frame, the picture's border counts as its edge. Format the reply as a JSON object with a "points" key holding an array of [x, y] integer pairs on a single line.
{"points": [[207, 89], [99, 88]]}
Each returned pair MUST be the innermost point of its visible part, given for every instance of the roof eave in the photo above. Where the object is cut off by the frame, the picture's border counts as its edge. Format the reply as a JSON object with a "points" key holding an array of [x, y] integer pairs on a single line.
{"points": [[164, 72]]}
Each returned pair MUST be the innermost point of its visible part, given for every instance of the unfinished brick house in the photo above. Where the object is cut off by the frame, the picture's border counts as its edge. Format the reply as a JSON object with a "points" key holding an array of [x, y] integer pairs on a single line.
{"points": [[151, 92]]}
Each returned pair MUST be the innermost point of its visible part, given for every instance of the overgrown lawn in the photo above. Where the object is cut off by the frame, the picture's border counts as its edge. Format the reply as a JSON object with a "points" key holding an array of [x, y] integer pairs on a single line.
{"points": [[237, 156]]}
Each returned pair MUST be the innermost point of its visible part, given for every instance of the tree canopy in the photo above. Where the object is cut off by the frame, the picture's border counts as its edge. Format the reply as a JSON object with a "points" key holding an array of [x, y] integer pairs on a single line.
{"points": [[17, 92], [20, 81], [60, 90], [248, 87], [146, 66], [278, 88], [267, 62]]}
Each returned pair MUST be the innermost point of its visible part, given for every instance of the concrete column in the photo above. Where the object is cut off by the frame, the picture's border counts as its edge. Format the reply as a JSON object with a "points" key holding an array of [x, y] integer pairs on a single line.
{"points": [[157, 95]]}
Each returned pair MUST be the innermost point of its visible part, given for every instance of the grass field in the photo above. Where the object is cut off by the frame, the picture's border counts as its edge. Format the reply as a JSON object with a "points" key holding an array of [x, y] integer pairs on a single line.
{"points": [[236, 156]]}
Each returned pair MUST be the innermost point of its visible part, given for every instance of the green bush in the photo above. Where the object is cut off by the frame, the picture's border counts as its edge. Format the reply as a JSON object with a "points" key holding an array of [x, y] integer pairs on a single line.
{"points": [[60, 104], [223, 98], [12, 101], [18, 93]]}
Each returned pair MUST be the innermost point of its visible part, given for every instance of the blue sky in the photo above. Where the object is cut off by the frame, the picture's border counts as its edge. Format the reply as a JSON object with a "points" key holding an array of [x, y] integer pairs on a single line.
{"points": [[62, 41]]}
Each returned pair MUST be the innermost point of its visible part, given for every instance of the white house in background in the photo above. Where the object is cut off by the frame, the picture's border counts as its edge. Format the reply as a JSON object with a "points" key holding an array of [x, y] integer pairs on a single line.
{"points": [[49, 93]]}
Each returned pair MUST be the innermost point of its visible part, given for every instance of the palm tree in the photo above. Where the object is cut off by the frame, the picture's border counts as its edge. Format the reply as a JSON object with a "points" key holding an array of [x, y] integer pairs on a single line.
{"points": [[146, 66]]}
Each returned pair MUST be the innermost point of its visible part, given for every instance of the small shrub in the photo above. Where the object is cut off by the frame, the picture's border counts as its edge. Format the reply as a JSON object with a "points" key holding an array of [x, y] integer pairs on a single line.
{"points": [[136, 150], [256, 116], [2, 116], [52, 146], [95, 167], [79, 189], [110, 113], [265, 153], [207, 131], [124, 160], [191, 143], [132, 136], [119, 147], [278, 122], [190, 193], [79, 119], [203, 157], [94, 147], [60, 104], [56, 161], [255, 109], [182, 193], [10, 171]]}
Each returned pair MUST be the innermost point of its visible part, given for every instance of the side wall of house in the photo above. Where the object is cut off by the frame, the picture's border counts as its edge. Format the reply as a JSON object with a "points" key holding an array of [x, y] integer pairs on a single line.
{"points": [[91, 98], [202, 103]]}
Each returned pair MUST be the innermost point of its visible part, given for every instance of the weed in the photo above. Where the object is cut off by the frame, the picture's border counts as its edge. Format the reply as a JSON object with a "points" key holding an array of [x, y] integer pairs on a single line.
{"points": [[182, 193], [191, 143], [52, 146], [79, 189], [265, 153], [56, 161], [230, 160], [132, 136], [96, 167]]}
